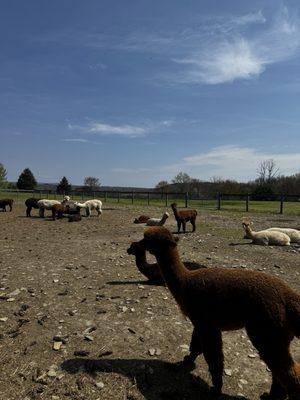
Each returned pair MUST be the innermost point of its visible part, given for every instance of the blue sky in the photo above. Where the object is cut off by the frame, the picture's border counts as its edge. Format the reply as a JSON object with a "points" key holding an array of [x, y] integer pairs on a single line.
{"points": [[135, 91]]}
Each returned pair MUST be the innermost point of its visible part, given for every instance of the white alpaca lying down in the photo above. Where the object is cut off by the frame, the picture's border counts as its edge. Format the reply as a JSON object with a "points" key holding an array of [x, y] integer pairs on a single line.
{"points": [[266, 237], [158, 221], [90, 205], [293, 234]]}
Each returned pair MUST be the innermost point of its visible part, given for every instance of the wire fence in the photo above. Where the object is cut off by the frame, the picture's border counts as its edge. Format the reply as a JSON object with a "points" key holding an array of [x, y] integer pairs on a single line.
{"points": [[278, 203]]}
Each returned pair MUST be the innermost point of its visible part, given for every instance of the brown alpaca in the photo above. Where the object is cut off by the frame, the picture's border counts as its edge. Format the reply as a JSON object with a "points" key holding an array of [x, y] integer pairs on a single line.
{"points": [[58, 210], [142, 219], [6, 202], [152, 271], [219, 299], [184, 216]]}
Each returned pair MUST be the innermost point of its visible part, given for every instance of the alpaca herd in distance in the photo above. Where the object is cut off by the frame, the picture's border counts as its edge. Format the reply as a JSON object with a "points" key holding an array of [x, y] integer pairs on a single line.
{"points": [[214, 299]]}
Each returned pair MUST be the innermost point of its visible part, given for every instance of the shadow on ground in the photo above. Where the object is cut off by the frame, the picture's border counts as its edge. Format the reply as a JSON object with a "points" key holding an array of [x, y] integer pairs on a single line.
{"points": [[155, 379]]}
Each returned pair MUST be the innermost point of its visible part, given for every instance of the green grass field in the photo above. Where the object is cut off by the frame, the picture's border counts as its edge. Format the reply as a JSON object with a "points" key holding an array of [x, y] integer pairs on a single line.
{"points": [[289, 208]]}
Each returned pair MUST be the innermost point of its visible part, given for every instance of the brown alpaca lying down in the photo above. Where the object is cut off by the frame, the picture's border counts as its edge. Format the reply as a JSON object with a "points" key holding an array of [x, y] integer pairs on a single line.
{"points": [[219, 299], [142, 219], [152, 271], [184, 216]]}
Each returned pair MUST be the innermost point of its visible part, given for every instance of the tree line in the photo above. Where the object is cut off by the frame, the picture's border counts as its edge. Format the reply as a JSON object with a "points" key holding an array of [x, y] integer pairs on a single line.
{"points": [[27, 181], [269, 181]]}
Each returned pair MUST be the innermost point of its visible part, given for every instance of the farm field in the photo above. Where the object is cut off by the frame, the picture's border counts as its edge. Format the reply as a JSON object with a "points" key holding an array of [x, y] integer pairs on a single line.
{"points": [[73, 285]]}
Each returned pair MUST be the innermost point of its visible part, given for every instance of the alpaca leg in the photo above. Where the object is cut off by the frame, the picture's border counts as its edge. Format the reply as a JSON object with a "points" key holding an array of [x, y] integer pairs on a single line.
{"points": [[178, 225], [183, 226], [213, 354], [196, 347], [193, 222], [28, 211], [42, 212], [274, 350]]}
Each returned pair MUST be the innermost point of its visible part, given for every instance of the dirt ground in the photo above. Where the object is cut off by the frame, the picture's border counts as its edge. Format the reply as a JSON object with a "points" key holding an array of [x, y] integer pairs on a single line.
{"points": [[73, 286]]}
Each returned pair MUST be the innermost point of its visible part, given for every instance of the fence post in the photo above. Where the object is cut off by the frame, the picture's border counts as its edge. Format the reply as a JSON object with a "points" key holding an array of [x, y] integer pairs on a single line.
{"points": [[281, 203], [118, 197], [148, 198], [132, 197], [166, 199], [218, 201], [186, 199], [247, 202]]}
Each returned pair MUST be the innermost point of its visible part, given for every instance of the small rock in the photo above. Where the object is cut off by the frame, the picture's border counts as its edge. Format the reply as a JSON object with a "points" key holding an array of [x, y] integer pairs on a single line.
{"points": [[252, 355], [89, 338], [151, 352], [228, 372], [51, 373], [3, 319], [99, 385], [14, 293], [57, 346]]}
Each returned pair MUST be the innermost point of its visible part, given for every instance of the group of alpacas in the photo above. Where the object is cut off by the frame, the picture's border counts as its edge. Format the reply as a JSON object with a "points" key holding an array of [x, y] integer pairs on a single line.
{"points": [[221, 299], [66, 206], [181, 216]]}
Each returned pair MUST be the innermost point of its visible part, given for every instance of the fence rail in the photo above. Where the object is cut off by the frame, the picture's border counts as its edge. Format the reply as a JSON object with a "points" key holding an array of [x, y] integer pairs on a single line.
{"points": [[278, 203]]}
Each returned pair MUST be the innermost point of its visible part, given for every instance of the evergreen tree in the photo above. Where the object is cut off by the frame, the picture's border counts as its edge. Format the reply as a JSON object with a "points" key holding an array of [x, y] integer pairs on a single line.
{"points": [[26, 180], [64, 186], [3, 181]]}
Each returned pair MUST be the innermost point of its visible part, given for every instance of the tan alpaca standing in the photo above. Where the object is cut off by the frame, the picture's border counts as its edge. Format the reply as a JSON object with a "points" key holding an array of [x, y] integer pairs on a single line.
{"points": [[219, 299]]}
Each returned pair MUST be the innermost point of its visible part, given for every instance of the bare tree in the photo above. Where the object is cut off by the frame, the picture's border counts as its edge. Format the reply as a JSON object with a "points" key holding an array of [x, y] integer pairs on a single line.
{"points": [[91, 183], [267, 171], [162, 186], [183, 181]]}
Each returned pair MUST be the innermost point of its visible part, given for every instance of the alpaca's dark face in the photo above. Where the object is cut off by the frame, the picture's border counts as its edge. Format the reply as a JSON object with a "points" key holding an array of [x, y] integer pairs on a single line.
{"points": [[157, 240], [135, 249]]}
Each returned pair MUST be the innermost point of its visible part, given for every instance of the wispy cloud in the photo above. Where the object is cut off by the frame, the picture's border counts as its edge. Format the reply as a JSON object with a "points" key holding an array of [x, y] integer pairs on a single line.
{"points": [[76, 140], [125, 130], [211, 50], [236, 55], [121, 130], [230, 161]]}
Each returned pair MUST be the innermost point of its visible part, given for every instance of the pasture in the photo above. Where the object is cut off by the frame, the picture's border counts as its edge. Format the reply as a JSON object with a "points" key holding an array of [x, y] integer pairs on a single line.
{"points": [[78, 320]]}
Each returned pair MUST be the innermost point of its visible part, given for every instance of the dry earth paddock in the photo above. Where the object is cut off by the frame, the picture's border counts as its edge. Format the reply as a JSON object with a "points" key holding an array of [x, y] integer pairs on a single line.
{"points": [[72, 286]]}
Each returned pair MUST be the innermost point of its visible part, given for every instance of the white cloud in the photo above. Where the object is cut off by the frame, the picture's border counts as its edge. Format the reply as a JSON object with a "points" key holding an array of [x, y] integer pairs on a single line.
{"points": [[229, 162], [223, 63], [234, 55], [121, 130], [237, 162], [76, 140], [125, 130]]}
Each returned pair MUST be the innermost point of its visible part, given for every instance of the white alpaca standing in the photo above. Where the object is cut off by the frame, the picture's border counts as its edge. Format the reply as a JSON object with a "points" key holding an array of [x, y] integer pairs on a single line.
{"points": [[90, 205]]}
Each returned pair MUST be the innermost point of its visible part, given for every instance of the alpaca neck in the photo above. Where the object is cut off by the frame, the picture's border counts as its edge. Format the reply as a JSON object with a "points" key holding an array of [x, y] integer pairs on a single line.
{"points": [[249, 232], [175, 212], [141, 262], [163, 219], [174, 273]]}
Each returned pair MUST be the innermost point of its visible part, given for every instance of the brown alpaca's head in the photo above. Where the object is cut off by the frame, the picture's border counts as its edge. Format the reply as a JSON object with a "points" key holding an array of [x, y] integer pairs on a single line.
{"points": [[135, 249], [158, 239], [173, 205]]}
